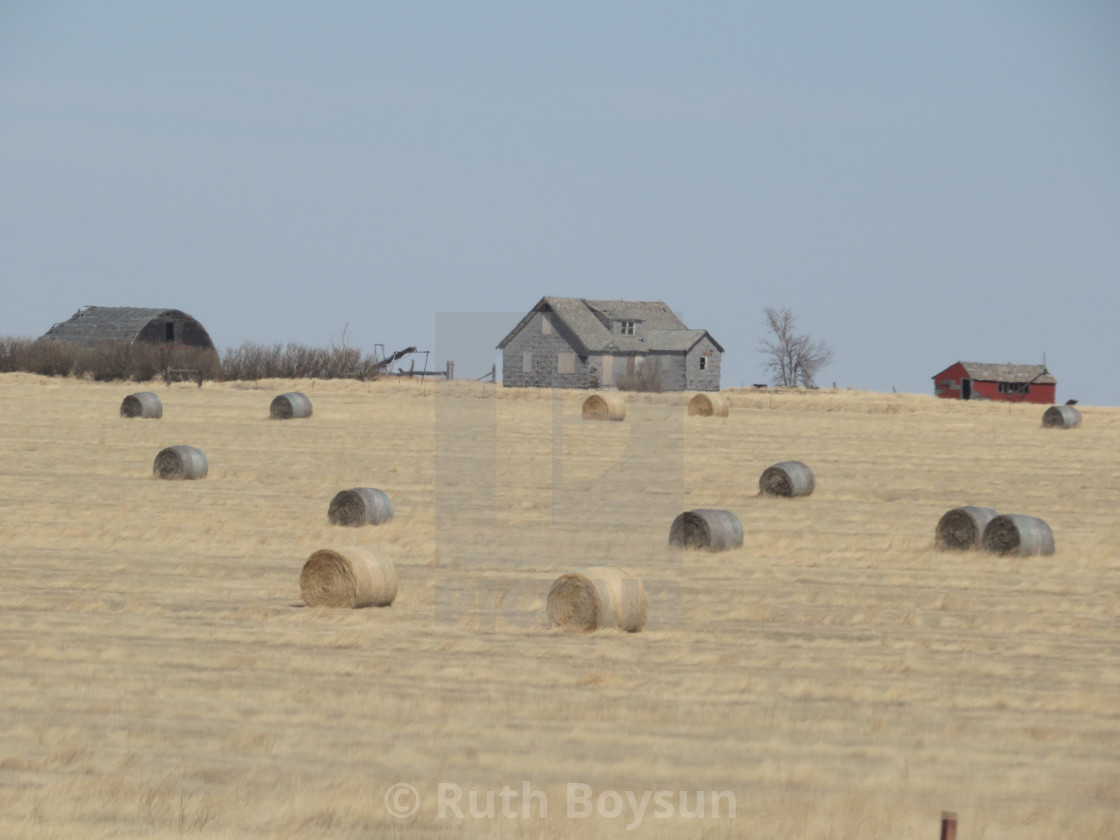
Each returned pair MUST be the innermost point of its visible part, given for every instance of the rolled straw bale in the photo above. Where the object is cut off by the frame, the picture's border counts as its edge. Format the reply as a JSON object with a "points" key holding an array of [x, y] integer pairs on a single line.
{"points": [[1012, 533], [1061, 417], [180, 462], [712, 530], [360, 506], [142, 404], [962, 528], [599, 597], [707, 405], [347, 577], [788, 478], [604, 407], [292, 405]]}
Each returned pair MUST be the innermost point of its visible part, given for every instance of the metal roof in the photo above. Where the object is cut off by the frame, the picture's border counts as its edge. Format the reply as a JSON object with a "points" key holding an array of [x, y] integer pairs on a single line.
{"points": [[1035, 374]]}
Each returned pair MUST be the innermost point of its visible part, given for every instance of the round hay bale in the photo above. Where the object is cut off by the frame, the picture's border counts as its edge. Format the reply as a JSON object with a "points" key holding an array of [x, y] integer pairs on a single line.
{"points": [[348, 578], [360, 506], [599, 597], [180, 462], [707, 529], [292, 405], [142, 404], [707, 405], [1012, 533], [604, 407], [789, 478], [1061, 417], [962, 528]]}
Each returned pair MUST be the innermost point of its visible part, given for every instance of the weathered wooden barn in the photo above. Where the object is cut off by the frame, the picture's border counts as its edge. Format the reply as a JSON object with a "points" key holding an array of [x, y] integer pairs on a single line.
{"points": [[126, 324], [1011, 383], [578, 343]]}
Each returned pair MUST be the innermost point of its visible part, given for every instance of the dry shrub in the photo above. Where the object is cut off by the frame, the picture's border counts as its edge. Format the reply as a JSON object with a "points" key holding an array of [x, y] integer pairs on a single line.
{"points": [[646, 378], [294, 361], [11, 349], [107, 361], [47, 358], [347, 577]]}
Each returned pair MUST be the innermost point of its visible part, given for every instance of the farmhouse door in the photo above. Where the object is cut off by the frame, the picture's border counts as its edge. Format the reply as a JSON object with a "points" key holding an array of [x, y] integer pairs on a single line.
{"points": [[608, 371]]}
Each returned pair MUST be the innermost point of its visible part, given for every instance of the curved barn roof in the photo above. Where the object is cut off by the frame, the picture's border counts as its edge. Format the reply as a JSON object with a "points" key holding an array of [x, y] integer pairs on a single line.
{"points": [[114, 323]]}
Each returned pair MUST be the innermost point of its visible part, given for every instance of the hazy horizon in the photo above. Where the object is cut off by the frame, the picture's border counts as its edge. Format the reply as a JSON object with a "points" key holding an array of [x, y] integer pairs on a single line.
{"points": [[922, 185]]}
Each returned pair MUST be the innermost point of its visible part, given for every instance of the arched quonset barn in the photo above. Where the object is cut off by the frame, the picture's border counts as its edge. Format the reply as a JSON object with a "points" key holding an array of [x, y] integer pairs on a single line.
{"points": [[129, 324]]}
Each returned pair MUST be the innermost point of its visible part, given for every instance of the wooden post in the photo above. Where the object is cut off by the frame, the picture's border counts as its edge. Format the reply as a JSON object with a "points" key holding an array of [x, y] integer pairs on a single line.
{"points": [[948, 825]]}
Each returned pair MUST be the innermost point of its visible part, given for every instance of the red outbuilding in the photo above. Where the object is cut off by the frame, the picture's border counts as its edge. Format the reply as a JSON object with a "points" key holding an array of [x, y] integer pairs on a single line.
{"points": [[1011, 383]]}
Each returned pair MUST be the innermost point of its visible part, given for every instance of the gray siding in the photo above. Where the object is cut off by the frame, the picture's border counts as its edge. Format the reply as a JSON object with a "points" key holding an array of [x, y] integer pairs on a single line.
{"points": [[707, 379], [666, 348], [671, 366], [546, 349]]}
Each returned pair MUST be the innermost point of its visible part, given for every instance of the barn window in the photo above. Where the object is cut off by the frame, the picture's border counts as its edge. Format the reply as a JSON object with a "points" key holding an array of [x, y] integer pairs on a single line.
{"points": [[1014, 387], [169, 331], [703, 363], [566, 363], [526, 362]]}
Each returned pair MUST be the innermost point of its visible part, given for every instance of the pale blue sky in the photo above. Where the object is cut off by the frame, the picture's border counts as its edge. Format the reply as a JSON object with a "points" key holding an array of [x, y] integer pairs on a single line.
{"points": [[921, 182]]}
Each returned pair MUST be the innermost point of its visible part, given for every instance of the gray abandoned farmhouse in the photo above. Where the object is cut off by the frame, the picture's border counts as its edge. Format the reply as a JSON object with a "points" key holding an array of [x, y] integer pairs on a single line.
{"points": [[578, 343], [126, 324]]}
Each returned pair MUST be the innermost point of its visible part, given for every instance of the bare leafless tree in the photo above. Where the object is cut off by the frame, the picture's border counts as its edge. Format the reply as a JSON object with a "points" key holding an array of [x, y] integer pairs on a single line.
{"points": [[791, 358]]}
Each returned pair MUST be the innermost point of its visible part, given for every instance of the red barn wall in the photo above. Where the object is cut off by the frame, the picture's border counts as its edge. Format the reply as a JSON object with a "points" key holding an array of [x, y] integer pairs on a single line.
{"points": [[1036, 393], [947, 385]]}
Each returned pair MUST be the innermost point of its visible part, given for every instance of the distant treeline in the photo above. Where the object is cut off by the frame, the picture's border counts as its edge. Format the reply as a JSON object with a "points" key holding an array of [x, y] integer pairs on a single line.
{"points": [[141, 362]]}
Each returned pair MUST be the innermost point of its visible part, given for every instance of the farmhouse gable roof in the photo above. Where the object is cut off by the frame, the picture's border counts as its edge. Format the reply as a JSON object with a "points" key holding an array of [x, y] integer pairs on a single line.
{"points": [[587, 325]]}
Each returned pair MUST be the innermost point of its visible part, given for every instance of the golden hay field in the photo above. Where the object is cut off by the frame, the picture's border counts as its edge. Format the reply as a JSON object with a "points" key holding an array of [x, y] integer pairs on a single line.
{"points": [[837, 676]]}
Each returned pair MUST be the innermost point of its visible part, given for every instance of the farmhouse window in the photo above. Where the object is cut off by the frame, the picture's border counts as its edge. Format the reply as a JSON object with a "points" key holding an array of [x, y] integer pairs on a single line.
{"points": [[703, 363], [526, 362], [627, 327], [1014, 387], [566, 363], [546, 324]]}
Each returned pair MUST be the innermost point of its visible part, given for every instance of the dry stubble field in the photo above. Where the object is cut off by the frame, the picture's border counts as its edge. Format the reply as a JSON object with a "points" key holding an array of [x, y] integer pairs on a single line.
{"points": [[837, 676]]}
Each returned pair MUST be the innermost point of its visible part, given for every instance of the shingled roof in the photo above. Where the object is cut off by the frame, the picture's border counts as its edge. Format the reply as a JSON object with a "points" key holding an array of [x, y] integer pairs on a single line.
{"points": [[586, 324], [94, 324], [1009, 373]]}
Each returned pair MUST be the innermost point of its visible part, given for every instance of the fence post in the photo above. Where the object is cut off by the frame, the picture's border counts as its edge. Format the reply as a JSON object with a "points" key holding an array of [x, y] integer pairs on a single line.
{"points": [[948, 825]]}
